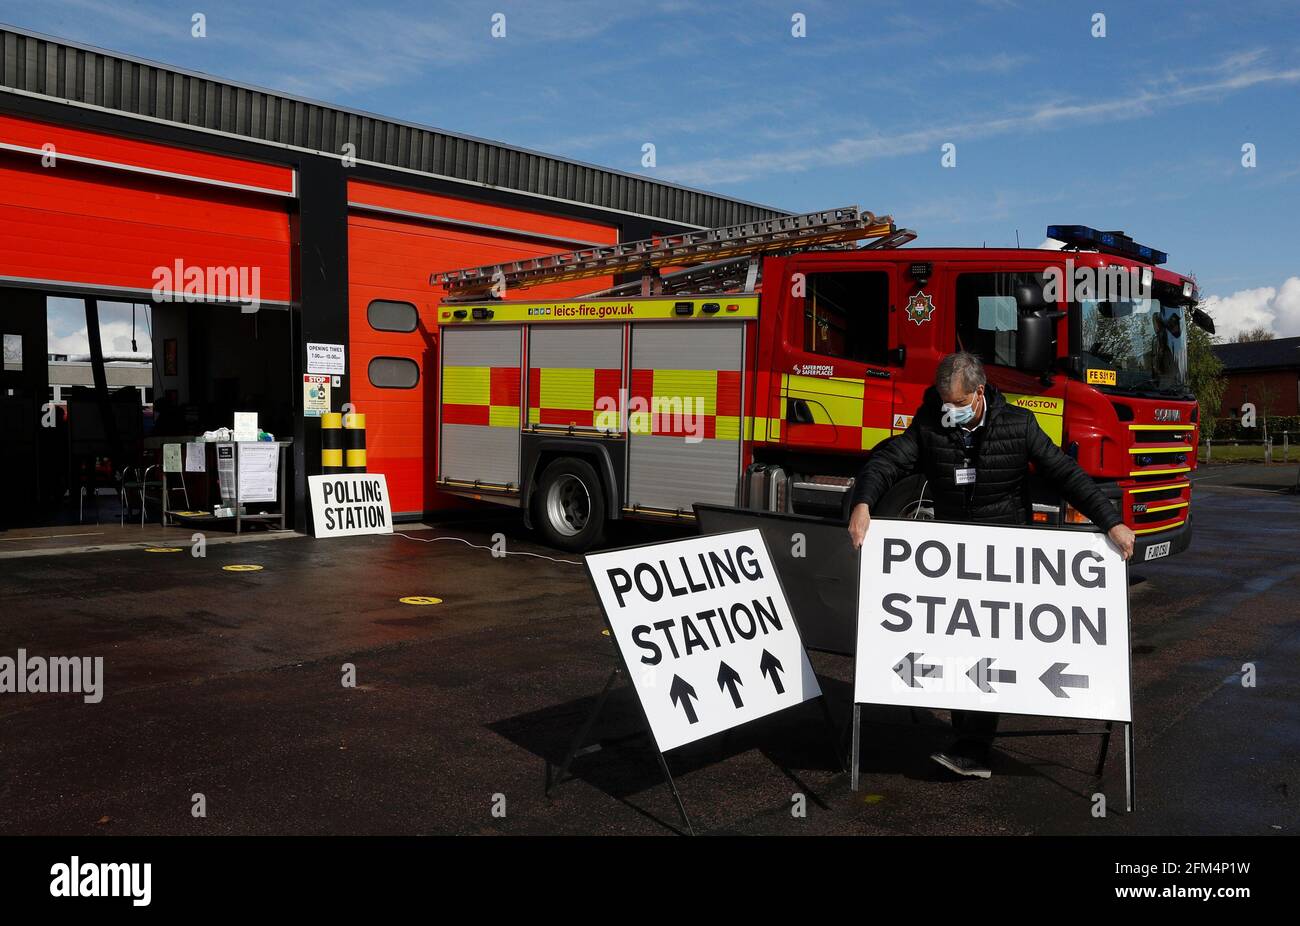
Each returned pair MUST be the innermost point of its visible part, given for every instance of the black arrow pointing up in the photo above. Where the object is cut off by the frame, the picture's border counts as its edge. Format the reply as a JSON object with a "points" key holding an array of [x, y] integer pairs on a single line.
{"points": [[981, 674], [770, 666], [1057, 681], [729, 678], [909, 670], [681, 693]]}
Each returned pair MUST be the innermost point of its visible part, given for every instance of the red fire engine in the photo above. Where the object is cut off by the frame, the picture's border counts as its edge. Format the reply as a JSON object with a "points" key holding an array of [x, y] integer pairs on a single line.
{"points": [[692, 383]]}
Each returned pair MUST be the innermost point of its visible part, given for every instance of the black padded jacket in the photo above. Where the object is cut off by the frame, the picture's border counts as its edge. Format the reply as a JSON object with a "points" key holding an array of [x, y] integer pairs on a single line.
{"points": [[1009, 440]]}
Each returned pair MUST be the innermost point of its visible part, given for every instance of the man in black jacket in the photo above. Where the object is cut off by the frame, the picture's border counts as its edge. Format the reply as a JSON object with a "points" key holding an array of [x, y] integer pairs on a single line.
{"points": [[974, 449]]}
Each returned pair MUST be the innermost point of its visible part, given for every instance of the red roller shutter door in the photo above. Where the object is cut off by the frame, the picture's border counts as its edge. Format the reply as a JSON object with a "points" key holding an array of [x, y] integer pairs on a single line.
{"points": [[111, 211]]}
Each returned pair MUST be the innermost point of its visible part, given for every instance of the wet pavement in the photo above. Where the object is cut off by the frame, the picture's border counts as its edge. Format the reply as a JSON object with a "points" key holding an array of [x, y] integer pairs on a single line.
{"points": [[228, 684]]}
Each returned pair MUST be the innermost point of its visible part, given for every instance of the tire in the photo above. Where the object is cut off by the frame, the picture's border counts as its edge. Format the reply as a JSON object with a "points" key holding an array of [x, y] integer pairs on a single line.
{"points": [[569, 505], [909, 499]]}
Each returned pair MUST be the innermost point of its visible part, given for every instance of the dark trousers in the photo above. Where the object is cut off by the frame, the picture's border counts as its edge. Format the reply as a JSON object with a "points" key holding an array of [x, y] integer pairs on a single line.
{"points": [[975, 731]]}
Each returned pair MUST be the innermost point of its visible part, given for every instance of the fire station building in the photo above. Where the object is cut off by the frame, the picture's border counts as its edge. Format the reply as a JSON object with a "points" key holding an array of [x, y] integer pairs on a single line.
{"points": [[175, 249]]}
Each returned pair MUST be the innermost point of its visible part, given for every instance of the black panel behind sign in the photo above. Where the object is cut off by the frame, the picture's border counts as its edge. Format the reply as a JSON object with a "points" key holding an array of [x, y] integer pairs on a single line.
{"points": [[821, 585]]}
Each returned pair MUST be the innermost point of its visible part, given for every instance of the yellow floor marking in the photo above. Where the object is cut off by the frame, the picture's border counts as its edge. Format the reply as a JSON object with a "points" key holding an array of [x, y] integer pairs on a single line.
{"points": [[420, 599]]}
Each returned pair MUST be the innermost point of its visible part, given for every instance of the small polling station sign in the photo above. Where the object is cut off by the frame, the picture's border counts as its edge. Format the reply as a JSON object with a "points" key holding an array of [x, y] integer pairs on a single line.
{"points": [[705, 632], [347, 505]]}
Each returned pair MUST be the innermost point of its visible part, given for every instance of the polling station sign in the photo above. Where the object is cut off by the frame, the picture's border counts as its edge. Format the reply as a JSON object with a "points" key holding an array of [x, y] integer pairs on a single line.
{"points": [[347, 505], [977, 617], [705, 632]]}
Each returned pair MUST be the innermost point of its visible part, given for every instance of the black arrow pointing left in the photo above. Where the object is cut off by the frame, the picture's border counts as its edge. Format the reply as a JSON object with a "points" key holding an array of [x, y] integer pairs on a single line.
{"points": [[982, 674], [1056, 680]]}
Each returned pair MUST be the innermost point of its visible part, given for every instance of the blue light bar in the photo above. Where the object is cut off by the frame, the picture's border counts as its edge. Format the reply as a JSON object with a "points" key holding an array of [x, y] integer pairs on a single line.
{"points": [[1108, 242]]}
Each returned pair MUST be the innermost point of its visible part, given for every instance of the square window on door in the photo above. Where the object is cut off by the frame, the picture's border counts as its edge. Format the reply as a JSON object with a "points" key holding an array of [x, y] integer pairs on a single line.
{"points": [[846, 315]]}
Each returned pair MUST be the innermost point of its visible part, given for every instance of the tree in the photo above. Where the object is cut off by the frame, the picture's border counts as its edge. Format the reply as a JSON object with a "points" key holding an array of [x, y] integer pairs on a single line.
{"points": [[1205, 375], [1252, 335]]}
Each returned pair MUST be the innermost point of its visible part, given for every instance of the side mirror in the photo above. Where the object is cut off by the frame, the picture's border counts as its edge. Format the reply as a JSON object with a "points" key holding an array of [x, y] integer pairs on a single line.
{"points": [[1036, 342], [1203, 321]]}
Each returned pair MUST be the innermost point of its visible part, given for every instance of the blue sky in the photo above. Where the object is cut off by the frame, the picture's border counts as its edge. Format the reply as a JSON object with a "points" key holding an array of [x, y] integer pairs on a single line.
{"points": [[1140, 130]]}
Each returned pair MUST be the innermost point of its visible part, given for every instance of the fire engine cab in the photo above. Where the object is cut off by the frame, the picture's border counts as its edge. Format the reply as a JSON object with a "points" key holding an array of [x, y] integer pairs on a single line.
{"points": [[757, 365]]}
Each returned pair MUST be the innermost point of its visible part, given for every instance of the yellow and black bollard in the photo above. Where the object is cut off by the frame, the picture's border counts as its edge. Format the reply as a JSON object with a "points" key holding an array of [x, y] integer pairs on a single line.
{"points": [[331, 444], [354, 443]]}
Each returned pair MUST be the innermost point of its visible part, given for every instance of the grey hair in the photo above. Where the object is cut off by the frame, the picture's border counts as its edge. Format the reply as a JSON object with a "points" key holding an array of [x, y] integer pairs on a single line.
{"points": [[960, 369]]}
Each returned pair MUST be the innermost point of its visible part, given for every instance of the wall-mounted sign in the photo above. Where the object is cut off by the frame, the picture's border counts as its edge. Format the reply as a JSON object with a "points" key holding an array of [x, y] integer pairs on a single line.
{"points": [[315, 394], [326, 358]]}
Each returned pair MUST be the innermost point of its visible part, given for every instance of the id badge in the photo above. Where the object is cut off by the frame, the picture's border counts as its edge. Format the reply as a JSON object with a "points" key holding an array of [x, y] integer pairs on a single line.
{"points": [[965, 475]]}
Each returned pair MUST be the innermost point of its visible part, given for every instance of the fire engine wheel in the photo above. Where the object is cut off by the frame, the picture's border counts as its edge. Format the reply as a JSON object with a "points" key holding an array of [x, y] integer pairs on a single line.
{"points": [[569, 505], [911, 499]]}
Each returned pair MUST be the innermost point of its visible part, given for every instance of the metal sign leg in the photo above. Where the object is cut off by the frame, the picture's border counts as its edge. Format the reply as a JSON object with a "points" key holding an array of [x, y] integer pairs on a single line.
{"points": [[672, 786], [1130, 785], [1105, 748], [857, 742]]}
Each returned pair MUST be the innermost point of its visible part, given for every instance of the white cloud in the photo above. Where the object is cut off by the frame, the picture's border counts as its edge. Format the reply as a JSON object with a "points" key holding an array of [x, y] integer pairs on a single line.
{"points": [[1232, 75], [1274, 308]]}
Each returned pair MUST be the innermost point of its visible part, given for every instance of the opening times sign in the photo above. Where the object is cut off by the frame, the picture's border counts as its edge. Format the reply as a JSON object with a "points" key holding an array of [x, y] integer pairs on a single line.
{"points": [[705, 632], [984, 618]]}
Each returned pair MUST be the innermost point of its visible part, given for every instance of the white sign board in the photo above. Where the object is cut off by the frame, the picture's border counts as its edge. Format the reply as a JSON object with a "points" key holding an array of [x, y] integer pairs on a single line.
{"points": [[245, 428], [344, 506], [259, 470], [974, 617], [171, 458], [196, 457], [326, 358], [705, 632]]}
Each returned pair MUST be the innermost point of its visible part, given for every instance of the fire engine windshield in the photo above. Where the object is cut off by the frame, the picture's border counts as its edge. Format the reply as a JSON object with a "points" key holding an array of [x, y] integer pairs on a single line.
{"points": [[1143, 340]]}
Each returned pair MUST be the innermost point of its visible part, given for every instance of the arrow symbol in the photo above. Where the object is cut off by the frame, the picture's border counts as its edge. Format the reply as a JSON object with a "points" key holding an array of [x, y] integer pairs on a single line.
{"points": [[681, 693], [909, 670], [729, 678], [771, 666], [981, 674], [1057, 681]]}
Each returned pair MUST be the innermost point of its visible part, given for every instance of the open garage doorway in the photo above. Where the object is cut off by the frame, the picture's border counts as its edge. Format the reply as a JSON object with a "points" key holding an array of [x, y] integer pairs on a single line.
{"points": [[93, 387]]}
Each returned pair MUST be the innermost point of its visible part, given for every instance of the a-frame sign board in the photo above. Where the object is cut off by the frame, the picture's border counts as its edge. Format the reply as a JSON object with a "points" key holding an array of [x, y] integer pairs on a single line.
{"points": [[978, 617], [705, 634]]}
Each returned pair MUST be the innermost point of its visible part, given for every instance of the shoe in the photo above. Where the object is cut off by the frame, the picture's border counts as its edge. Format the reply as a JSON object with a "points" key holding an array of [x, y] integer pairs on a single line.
{"points": [[962, 765]]}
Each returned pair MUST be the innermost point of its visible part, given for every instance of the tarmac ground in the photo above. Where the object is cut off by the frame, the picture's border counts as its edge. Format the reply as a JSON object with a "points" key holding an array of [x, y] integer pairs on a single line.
{"points": [[227, 684]]}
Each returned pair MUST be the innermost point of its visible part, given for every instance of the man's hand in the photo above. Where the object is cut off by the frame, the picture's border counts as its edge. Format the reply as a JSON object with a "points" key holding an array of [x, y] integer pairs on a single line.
{"points": [[859, 521], [1123, 538]]}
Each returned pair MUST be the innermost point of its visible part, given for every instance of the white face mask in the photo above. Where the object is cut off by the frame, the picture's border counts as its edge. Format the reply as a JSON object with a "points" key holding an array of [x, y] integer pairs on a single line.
{"points": [[956, 415]]}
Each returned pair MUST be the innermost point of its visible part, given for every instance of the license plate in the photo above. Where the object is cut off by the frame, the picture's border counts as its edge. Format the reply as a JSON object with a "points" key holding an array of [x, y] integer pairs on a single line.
{"points": [[1157, 550]]}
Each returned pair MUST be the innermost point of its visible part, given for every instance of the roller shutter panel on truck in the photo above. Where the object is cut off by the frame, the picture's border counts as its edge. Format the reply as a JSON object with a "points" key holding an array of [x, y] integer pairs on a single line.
{"points": [[481, 400], [684, 427], [574, 376]]}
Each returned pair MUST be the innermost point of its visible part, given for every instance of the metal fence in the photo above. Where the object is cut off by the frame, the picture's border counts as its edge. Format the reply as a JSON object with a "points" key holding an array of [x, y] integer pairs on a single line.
{"points": [[1275, 449]]}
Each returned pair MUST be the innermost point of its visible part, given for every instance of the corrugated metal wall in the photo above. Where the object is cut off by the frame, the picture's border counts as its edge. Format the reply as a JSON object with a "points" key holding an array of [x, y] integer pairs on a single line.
{"points": [[39, 65]]}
